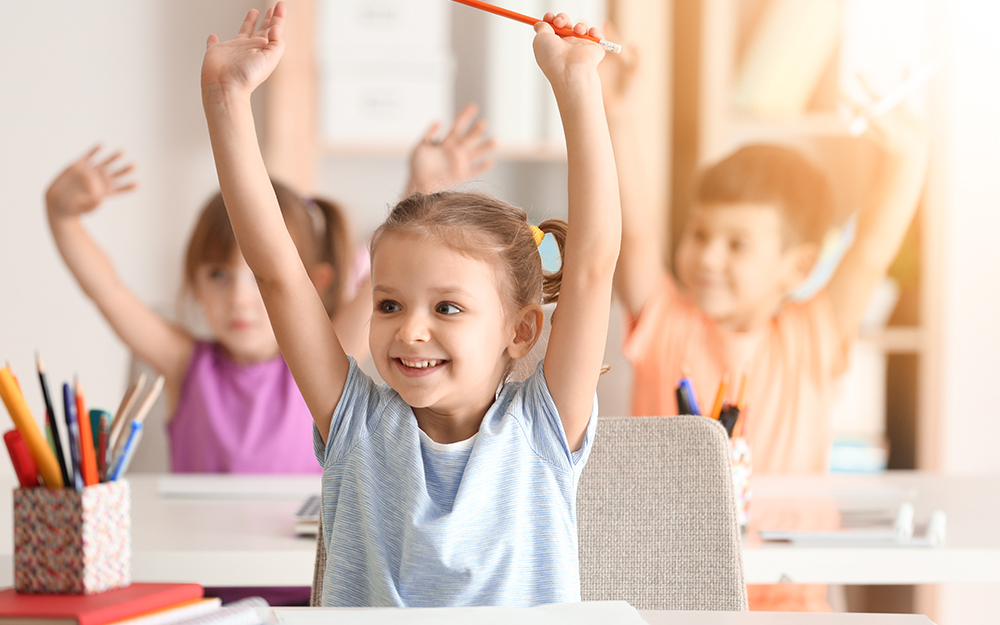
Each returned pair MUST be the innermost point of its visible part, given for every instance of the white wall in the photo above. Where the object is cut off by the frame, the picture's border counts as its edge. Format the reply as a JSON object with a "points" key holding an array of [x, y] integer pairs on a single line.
{"points": [[74, 73], [970, 425], [126, 74]]}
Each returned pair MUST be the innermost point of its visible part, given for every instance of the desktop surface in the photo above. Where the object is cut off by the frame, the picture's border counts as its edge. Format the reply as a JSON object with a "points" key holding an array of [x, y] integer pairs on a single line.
{"points": [[237, 530]]}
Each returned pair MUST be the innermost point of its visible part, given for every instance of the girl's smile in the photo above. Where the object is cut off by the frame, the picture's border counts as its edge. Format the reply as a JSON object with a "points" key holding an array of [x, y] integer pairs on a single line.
{"points": [[415, 367], [439, 335]]}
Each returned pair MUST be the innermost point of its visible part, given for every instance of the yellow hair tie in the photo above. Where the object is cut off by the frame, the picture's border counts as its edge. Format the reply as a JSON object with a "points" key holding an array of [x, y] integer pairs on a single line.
{"points": [[537, 233]]}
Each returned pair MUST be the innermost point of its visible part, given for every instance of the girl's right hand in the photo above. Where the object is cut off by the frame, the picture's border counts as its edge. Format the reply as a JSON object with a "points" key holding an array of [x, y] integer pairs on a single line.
{"points": [[84, 185], [245, 61]]}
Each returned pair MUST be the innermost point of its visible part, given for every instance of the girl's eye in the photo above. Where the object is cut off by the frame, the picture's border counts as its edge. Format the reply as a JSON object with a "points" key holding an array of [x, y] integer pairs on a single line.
{"points": [[388, 306], [447, 308]]}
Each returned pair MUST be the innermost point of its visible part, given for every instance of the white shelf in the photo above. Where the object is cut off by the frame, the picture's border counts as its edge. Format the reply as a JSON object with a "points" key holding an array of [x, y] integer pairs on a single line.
{"points": [[537, 152], [897, 339]]}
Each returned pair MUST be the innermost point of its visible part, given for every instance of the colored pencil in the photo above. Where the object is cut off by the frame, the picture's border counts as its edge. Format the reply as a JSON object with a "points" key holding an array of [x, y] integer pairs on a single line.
{"points": [[39, 448], [20, 457], [53, 421], [72, 436], [121, 415], [140, 415], [88, 460], [720, 396], [531, 21]]}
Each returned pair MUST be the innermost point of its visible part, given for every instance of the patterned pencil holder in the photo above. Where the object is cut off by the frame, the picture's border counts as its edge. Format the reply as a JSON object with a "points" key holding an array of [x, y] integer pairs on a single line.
{"points": [[69, 541], [739, 454]]}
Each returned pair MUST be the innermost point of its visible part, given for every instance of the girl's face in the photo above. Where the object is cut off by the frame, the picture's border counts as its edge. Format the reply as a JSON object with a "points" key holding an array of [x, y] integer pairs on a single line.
{"points": [[229, 296], [439, 335]]}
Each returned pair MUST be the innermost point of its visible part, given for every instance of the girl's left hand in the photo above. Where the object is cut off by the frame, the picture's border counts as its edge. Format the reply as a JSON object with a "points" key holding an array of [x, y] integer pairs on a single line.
{"points": [[245, 61], [558, 56]]}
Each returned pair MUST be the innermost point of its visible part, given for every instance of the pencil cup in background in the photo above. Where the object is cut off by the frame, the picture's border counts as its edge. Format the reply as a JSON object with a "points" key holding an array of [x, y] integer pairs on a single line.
{"points": [[739, 454], [70, 541]]}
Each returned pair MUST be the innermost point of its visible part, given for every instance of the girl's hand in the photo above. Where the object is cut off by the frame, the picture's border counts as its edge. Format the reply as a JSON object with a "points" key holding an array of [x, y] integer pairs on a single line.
{"points": [[245, 61], [562, 58], [465, 152], [85, 184]]}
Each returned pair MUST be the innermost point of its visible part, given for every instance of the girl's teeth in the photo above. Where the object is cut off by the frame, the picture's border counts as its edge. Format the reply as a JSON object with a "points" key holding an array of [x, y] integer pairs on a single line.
{"points": [[421, 364]]}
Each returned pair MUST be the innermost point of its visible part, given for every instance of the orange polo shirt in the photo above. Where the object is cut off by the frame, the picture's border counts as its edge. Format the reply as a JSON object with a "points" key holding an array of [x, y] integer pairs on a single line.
{"points": [[792, 363]]}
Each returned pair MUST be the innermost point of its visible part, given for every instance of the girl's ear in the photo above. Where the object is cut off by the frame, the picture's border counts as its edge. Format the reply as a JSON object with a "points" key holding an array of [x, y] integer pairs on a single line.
{"points": [[527, 330]]}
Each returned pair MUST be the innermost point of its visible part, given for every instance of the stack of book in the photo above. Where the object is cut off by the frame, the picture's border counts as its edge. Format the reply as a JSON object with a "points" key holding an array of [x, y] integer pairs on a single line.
{"points": [[136, 604]]}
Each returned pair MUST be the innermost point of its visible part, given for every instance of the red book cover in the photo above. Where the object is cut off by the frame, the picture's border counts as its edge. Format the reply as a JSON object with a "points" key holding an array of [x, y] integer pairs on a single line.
{"points": [[98, 609]]}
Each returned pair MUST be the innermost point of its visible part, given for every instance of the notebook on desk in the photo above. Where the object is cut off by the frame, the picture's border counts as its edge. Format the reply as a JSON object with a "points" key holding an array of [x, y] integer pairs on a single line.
{"points": [[229, 486], [899, 531], [307, 517]]}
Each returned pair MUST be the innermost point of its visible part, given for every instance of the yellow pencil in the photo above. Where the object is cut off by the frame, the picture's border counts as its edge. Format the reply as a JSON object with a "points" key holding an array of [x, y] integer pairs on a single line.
{"points": [[42, 454]]}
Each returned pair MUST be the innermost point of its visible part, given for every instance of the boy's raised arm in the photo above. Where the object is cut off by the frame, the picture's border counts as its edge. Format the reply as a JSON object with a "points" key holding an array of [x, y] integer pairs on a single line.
{"points": [[884, 219], [575, 351], [230, 72], [640, 265]]}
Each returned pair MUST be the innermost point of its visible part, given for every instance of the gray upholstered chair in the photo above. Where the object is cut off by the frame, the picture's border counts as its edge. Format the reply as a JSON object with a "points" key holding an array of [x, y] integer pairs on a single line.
{"points": [[656, 515]]}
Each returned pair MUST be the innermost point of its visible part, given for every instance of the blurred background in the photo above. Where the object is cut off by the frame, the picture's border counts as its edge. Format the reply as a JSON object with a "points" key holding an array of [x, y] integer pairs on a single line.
{"points": [[363, 79]]}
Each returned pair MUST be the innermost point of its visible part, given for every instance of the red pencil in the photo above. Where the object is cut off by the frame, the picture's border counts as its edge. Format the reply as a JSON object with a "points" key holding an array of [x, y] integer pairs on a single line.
{"points": [[531, 21]]}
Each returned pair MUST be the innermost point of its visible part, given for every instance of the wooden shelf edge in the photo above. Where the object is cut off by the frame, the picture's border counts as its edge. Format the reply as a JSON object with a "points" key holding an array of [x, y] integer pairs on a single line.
{"points": [[541, 152], [896, 339]]}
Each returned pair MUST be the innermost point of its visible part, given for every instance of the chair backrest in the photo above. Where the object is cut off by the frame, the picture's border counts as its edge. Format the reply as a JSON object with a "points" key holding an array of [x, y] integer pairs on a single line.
{"points": [[319, 568], [656, 516]]}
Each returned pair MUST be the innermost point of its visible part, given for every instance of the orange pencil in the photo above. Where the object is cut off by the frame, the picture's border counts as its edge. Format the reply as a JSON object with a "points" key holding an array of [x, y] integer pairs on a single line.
{"points": [[88, 457], [719, 398], [743, 391], [531, 21]]}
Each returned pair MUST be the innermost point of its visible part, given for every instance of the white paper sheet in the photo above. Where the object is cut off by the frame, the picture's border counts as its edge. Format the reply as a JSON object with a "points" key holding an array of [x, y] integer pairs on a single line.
{"points": [[585, 613]]}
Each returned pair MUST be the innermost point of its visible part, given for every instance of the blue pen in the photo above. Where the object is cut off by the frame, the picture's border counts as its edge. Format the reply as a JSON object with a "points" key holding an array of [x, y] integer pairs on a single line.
{"points": [[72, 434], [688, 389], [125, 456]]}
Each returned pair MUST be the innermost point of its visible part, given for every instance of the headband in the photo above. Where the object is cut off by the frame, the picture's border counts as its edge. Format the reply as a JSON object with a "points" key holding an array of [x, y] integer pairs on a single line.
{"points": [[537, 233]]}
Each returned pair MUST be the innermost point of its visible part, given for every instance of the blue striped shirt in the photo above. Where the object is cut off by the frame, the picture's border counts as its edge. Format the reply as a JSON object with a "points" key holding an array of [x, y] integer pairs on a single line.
{"points": [[489, 521]]}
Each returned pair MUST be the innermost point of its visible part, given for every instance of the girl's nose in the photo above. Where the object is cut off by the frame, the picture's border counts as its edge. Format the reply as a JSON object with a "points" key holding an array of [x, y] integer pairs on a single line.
{"points": [[413, 329], [244, 288]]}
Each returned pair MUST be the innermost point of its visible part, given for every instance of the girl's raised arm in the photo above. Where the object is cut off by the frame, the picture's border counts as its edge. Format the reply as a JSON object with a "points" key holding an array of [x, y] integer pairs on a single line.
{"points": [[230, 72], [575, 351], [79, 189]]}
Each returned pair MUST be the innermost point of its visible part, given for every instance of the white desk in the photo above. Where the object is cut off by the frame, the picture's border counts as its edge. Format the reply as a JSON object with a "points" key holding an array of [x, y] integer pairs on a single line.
{"points": [[245, 537], [663, 617], [971, 552]]}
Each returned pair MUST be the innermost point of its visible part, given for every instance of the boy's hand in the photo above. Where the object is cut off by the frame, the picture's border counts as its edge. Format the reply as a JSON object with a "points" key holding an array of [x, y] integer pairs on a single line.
{"points": [[900, 132], [464, 152], [84, 185], [562, 58], [618, 73], [245, 61]]}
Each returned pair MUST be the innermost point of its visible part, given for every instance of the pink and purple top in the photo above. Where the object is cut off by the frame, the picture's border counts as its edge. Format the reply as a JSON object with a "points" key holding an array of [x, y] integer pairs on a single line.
{"points": [[234, 418]]}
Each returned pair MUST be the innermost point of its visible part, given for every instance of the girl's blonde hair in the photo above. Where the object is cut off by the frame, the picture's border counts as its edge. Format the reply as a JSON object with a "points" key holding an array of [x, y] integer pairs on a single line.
{"points": [[488, 229], [317, 226]]}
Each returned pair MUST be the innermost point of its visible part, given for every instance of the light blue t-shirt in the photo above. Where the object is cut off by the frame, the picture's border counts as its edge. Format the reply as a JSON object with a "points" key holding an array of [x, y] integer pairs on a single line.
{"points": [[488, 521]]}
